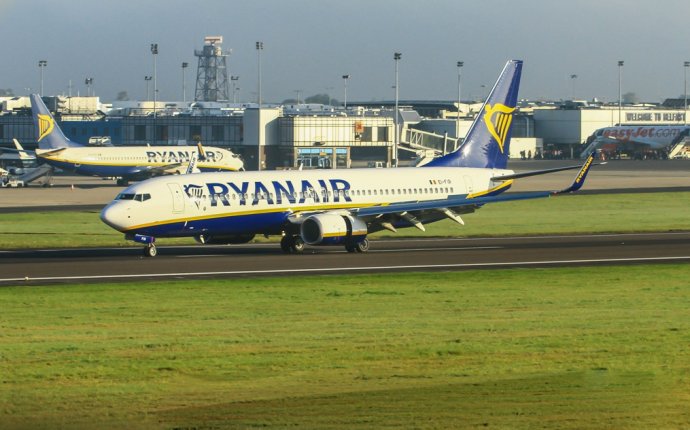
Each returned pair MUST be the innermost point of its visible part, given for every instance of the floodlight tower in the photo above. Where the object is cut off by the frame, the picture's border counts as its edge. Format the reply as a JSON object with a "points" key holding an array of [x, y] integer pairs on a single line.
{"points": [[212, 71]]}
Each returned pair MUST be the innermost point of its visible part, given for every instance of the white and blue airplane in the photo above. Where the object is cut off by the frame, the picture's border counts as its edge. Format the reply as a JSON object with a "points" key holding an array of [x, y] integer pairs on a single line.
{"points": [[334, 207], [125, 162]]}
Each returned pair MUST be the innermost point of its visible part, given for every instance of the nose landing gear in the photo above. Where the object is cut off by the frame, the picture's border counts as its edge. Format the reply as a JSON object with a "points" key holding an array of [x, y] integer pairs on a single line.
{"points": [[150, 249]]}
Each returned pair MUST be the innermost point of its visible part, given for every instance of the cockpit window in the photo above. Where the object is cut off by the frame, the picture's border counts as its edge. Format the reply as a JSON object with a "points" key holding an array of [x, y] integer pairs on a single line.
{"points": [[136, 197]]}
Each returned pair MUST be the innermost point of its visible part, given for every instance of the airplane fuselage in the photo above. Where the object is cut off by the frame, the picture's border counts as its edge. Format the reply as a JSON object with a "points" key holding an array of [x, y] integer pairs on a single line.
{"points": [[262, 202], [130, 162], [651, 136]]}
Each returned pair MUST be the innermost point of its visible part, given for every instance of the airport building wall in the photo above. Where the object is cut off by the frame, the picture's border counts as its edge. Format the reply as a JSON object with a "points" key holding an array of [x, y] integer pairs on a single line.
{"points": [[573, 126]]}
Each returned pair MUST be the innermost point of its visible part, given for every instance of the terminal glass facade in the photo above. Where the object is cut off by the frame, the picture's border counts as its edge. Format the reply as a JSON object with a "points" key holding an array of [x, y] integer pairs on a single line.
{"points": [[223, 131]]}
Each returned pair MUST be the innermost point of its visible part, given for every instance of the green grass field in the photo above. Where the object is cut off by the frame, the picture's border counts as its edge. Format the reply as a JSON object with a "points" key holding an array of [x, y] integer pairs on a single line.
{"points": [[567, 214], [581, 348]]}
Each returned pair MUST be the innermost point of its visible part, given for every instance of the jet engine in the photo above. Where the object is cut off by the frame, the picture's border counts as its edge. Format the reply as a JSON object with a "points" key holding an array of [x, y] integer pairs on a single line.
{"points": [[230, 239], [332, 229]]}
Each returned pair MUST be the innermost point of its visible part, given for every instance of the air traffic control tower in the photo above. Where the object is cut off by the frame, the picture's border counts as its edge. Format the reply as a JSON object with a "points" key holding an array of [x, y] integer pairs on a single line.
{"points": [[212, 71]]}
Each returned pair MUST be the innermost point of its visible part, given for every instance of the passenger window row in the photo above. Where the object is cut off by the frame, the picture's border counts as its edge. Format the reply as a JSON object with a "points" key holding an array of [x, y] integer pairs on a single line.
{"points": [[341, 193]]}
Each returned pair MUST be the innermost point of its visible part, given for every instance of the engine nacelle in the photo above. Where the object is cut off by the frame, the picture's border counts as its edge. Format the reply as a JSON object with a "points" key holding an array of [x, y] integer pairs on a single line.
{"points": [[332, 229], [230, 239]]}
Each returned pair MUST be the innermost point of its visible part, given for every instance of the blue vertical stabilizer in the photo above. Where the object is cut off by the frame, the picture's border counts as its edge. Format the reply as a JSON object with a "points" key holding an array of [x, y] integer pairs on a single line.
{"points": [[48, 133], [487, 144]]}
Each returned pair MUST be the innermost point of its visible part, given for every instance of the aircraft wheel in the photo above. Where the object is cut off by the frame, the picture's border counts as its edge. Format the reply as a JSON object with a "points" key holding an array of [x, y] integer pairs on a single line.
{"points": [[363, 246], [297, 245], [150, 251], [286, 244], [349, 247]]}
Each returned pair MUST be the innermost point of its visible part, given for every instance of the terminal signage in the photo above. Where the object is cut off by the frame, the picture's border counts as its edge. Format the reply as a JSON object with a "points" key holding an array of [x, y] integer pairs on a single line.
{"points": [[654, 117]]}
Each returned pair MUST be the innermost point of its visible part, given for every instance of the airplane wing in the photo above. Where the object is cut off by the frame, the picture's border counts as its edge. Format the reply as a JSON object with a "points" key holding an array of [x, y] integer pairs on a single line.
{"points": [[147, 171], [159, 170], [453, 206], [162, 170]]}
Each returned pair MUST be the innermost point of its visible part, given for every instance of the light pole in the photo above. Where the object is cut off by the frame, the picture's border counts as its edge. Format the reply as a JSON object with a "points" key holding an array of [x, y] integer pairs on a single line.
{"points": [[259, 157], [396, 56], [147, 79], [259, 48], [41, 65], [457, 119], [88, 82], [345, 79], [234, 80], [572, 86], [154, 52], [686, 64], [620, 94], [184, 84]]}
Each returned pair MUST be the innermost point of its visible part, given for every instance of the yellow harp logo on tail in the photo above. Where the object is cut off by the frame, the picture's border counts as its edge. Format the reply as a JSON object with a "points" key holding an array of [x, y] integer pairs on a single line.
{"points": [[497, 119], [45, 126]]}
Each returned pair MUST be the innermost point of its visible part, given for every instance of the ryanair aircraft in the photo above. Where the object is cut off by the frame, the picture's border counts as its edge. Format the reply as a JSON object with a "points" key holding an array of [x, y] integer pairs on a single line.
{"points": [[334, 207], [125, 162]]}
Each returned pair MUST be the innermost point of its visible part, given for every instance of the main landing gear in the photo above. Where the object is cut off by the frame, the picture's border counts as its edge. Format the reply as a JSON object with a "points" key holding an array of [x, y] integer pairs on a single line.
{"points": [[295, 245], [292, 244], [361, 246]]}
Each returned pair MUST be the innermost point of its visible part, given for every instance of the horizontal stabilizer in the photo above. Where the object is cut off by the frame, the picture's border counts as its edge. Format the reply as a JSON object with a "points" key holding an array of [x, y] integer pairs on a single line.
{"points": [[49, 152], [539, 172]]}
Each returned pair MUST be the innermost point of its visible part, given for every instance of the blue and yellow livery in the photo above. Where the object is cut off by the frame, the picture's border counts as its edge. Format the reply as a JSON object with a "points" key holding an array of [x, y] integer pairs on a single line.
{"points": [[125, 163]]}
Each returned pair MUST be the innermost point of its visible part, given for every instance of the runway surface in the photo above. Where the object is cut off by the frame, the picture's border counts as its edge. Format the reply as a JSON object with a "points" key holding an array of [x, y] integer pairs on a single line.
{"points": [[38, 267]]}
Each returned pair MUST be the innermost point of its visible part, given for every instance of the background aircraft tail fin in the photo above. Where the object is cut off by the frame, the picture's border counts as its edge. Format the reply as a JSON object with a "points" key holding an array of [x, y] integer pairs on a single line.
{"points": [[49, 135], [487, 144]]}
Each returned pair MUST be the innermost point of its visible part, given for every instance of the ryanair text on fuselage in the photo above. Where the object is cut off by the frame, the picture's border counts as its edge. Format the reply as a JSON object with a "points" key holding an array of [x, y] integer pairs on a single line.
{"points": [[181, 156], [323, 191]]}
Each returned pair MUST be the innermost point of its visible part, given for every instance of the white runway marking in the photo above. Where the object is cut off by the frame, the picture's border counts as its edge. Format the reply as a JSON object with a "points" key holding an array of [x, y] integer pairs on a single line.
{"points": [[372, 251], [351, 269]]}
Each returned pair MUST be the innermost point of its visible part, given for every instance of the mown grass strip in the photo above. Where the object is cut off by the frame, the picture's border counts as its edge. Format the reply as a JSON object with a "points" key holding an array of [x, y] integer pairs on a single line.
{"points": [[557, 348]]}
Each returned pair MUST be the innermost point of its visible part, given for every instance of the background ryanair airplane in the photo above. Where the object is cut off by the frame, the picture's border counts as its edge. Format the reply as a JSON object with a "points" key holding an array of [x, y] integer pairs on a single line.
{"points": [[334, 207], [125, 162]]}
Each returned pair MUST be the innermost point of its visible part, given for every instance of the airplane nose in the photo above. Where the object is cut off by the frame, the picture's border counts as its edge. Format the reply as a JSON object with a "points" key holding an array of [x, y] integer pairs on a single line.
{"points": [[117, 216]]}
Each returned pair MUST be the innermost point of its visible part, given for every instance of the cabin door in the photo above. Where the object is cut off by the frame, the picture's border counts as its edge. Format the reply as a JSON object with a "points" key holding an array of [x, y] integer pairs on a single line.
{"points": [[177, 197]]}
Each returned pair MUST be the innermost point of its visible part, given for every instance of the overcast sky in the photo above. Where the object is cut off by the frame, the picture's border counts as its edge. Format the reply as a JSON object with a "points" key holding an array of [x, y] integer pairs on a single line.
{"points": [[310, 44]]}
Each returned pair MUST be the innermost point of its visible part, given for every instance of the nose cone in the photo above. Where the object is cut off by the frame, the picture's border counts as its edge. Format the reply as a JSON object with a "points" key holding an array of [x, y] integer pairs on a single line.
{"points": [[117, 216]]}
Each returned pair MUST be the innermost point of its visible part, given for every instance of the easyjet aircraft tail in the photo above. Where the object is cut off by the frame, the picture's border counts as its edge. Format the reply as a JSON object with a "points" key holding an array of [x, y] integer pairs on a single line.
{"points": [[487, 144], [49, 134]]}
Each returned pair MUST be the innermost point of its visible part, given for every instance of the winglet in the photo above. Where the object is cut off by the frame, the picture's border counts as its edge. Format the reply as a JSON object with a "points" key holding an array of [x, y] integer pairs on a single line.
{"points": [[202, 153], [581, 176], [191, 167]]}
